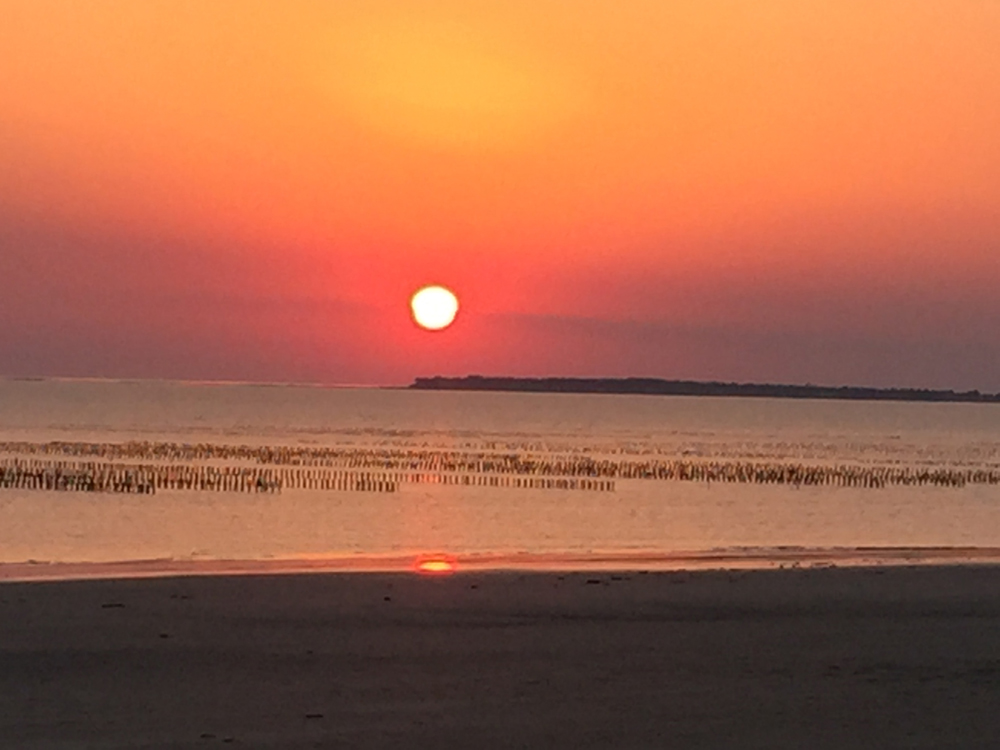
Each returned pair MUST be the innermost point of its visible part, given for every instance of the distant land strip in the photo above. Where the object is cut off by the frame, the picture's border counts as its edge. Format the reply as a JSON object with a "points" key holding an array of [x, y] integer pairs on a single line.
{"points": [[658, 387]]}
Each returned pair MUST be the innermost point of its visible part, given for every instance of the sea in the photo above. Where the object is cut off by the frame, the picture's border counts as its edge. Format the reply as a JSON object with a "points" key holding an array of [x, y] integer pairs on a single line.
{"points": [[108, 471]]}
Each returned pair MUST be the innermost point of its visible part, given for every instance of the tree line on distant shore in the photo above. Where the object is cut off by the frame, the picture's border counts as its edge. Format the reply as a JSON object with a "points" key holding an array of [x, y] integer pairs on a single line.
{"points": [[658, 387]]}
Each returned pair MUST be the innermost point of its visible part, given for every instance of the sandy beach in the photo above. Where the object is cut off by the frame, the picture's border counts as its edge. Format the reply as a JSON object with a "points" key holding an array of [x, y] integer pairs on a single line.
{"points": [[895, 657]]}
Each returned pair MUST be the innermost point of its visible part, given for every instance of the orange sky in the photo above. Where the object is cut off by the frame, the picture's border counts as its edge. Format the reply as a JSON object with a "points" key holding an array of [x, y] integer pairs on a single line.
{"points": [[750, 190]]}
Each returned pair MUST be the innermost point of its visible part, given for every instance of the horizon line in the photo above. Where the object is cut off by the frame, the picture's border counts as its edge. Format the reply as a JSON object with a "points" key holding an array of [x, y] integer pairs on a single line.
{"points": [[476, 376]]}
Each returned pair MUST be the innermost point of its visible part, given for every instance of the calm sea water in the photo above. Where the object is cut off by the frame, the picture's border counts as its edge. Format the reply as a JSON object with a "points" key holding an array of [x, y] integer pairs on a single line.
{"points": [[663, 516]]}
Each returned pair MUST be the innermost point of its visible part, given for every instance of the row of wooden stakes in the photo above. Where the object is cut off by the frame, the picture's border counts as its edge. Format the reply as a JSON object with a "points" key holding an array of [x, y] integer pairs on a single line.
{"points": [[30, 473], [517, 466], [34, 474]]}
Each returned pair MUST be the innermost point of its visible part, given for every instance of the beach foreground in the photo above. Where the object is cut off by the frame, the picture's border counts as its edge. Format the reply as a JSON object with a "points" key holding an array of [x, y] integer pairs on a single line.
{"points": [[894, 657]]}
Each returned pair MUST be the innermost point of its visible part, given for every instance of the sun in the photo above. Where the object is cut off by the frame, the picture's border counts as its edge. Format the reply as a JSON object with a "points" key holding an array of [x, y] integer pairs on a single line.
{"points": [[434, 307]]}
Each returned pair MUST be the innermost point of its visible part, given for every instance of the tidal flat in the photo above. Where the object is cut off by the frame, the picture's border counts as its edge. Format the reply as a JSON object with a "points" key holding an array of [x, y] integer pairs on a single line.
{"points": [[886, 657]]}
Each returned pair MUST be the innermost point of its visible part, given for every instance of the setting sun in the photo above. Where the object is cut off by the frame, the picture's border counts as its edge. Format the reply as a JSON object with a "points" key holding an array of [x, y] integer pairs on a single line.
{"points": [[434, 307]]}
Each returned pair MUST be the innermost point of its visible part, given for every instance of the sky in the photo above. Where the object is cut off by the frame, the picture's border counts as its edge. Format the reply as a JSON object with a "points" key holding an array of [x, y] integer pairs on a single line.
{"points": [[737, 190]]}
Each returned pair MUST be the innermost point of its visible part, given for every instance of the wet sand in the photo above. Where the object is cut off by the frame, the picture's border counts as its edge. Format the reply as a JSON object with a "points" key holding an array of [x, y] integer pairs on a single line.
{"points": [[894, 657], [745, 558]]}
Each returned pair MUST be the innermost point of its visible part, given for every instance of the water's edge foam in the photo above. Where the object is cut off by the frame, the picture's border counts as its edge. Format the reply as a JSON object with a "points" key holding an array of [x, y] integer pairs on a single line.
{"points": [[744, 558]]}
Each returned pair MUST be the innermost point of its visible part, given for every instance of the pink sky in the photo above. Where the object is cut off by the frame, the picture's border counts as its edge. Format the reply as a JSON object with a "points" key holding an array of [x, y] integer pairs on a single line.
{"points": [[770, 191]]}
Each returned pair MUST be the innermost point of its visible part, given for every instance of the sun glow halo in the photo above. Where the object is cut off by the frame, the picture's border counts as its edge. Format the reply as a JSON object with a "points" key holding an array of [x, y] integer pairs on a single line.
{"points": [[434, 307]]}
